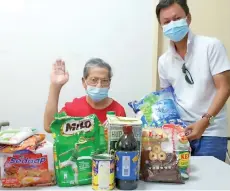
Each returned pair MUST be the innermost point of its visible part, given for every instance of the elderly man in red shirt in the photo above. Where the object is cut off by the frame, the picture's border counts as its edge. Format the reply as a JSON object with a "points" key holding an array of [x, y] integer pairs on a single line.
{"points": [[96, 81]]}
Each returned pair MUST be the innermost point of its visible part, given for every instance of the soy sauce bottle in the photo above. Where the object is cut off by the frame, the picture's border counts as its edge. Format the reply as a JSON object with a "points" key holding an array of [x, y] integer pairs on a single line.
{"points": [[127, 157]]}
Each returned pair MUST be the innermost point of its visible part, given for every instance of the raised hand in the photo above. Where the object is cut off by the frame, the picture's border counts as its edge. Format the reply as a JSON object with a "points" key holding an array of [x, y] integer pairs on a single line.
{"points": [[59, 76]]}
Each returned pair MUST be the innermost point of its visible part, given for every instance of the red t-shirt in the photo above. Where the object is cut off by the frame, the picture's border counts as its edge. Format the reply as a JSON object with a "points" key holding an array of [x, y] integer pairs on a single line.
{"points": [[79, 107]]}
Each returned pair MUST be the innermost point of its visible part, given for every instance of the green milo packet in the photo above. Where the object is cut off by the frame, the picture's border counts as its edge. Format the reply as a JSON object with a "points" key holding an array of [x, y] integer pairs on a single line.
{"points": [[76, 140]]}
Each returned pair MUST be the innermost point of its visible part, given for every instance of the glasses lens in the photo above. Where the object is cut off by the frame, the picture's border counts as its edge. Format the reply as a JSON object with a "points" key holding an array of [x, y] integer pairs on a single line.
{"points": [[189, 79], [105, 82], [188, 76], [95, 81]]}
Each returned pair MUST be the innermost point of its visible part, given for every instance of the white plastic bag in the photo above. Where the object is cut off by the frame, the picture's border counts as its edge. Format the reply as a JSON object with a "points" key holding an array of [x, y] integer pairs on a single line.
{"points": [[12, 136]]}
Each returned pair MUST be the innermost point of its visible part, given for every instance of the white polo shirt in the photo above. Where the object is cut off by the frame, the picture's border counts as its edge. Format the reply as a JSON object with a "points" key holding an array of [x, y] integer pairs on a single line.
{"points": [[205, 58]]}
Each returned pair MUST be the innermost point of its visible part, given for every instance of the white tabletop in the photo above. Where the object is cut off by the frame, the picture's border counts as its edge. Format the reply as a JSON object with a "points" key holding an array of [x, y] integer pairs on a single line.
{"points": [[207, 173]]}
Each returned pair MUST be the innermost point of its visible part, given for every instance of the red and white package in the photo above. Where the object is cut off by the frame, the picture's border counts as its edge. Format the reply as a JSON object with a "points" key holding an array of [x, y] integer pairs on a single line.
{"points": [[29, 144], [25, 168]]}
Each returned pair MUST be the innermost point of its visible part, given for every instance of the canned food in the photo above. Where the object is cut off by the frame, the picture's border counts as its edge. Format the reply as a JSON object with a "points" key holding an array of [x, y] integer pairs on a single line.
{"points": [[103, 172]]}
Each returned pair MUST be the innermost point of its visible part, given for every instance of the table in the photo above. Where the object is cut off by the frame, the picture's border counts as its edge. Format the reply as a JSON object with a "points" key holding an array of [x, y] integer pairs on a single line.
{"points": [[207, 173]]}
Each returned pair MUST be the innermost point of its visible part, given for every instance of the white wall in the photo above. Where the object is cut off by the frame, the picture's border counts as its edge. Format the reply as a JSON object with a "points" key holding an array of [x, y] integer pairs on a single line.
{"points": [[34, 33]]}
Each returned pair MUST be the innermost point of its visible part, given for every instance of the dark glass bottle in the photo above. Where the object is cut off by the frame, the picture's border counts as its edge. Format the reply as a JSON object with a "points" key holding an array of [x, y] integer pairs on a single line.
{"points": [[127, 160]]}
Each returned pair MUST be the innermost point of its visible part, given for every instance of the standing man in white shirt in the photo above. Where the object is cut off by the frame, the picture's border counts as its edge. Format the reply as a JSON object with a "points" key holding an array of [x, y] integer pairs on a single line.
{"points": [[198, 69]]}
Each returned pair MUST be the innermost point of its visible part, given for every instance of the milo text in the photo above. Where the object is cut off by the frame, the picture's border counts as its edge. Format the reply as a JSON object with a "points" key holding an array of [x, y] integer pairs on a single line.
{"points": [[73, 127]]}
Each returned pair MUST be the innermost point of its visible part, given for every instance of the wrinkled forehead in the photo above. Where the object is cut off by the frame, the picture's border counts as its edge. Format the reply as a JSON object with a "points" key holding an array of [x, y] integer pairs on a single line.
{"points": [[98, 72]]}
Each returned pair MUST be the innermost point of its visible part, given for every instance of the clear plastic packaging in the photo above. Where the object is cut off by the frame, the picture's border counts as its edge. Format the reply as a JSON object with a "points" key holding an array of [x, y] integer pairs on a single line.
{"points": [[165, 154], [158, 108], [11, 136]]}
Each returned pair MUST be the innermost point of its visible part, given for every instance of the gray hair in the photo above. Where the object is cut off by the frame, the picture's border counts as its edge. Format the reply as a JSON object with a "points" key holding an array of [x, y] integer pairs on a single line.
{"points": [[167, 3], [96, 62]]}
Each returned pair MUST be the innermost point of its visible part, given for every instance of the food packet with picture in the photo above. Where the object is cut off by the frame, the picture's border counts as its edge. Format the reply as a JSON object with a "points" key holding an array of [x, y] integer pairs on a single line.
{"points": [[30, 144], [24, 168], [158, 108], [76, 140], [165, 155]]}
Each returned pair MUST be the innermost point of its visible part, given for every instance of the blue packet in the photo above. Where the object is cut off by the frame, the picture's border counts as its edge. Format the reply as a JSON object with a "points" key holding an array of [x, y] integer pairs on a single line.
{"points": [[158, 108]]}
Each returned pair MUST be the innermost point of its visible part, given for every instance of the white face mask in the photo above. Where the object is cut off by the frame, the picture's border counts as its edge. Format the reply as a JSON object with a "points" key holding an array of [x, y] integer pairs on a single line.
{"points": [[97, 94]]}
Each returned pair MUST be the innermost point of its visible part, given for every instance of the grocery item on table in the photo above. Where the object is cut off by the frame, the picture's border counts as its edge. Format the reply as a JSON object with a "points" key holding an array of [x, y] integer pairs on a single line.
{"points": [[114, 126], [113, 113], [158, 108], [127, 158], [11, 136], [103, 172], [30, 144], [76, 140], [109, 113], [25, 168], [165, 154]]}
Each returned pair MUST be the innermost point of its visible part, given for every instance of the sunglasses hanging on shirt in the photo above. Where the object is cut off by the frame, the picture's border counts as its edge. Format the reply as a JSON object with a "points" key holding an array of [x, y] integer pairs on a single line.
{"points": [[188, 76]]}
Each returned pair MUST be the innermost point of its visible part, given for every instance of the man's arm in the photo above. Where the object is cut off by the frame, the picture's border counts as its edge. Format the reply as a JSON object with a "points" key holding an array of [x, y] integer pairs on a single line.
{"points": [[222, 83], [220, 70]]}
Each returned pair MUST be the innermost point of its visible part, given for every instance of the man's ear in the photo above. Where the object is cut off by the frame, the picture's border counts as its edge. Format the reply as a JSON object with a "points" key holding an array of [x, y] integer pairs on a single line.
{"points": [[189, 18]]}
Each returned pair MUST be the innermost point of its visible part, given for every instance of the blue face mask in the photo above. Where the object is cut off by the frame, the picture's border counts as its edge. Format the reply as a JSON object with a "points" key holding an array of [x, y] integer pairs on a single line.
{"points": [[176, 30], [97, 94]]}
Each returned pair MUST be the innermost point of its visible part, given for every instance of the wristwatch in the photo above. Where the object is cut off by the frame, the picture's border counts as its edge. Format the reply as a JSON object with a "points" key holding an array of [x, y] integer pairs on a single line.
{"points": [[209, 117]]}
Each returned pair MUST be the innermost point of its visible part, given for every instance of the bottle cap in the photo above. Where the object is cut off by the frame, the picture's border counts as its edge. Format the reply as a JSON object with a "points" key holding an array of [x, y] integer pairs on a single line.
{"points": [[111, 113], [127, 129]]}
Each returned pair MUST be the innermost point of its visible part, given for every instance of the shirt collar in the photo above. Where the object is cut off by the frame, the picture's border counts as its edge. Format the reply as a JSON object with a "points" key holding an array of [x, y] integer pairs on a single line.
{"points": [[189, 43]]}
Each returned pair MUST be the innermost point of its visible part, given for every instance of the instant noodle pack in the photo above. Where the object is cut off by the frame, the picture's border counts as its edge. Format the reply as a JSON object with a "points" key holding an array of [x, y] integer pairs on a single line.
{"points": [[27, 160]]}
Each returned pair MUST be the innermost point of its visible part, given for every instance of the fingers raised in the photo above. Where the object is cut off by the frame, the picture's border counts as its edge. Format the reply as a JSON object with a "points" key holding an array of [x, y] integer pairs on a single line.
{"points": [[59, 67]]}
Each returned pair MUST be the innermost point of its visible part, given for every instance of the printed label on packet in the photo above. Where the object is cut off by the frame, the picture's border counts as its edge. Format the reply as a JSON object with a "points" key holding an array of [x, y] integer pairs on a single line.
{"points": [[76, 140], [25, 170], [165, 109], [184, 159], [74, 127], [28, 160]]}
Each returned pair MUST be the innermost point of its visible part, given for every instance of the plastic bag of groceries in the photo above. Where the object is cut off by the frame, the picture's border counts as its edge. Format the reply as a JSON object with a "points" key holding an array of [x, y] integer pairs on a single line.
{"points": [[157, 108], [12, 136], [165, 154]]}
